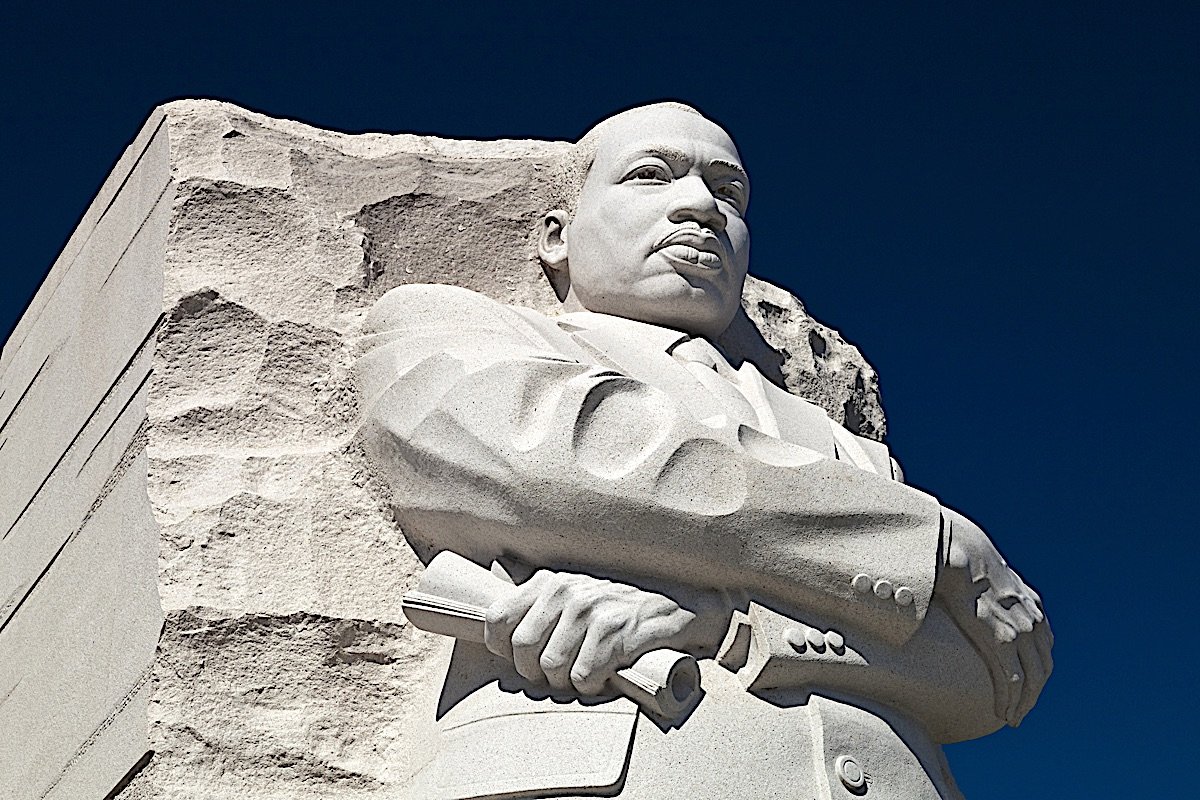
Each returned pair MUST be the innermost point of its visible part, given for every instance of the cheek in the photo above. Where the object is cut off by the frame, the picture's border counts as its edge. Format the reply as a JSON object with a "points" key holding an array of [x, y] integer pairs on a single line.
{"points": [[739, 238], [622, 233]]}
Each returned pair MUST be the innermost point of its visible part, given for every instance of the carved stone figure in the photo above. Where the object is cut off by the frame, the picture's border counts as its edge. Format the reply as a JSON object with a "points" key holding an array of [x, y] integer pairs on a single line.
{"points": [[646, 491], [201, 582]]}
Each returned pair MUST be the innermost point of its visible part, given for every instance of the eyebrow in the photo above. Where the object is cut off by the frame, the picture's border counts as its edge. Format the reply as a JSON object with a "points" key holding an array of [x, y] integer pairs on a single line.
{"points": [[665, 153], [721, 162], [678, 156]]}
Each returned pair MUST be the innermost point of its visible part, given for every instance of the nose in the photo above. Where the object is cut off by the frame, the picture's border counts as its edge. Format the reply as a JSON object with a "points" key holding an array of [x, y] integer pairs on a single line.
{"points": [[693, 202]]}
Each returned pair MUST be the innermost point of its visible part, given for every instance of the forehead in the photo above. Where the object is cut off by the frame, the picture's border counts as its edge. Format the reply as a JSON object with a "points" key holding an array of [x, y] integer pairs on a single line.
{"points": [[672, 130]]}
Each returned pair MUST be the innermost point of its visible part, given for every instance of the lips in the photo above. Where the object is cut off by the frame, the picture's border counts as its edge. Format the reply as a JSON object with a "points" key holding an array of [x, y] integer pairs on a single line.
{"points": [[691, 255], [693, 248]]}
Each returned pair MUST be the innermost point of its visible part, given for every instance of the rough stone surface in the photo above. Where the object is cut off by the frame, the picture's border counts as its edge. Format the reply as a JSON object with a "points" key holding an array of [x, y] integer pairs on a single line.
{"points": [[315, 226], [816, 362], [284, 661]]}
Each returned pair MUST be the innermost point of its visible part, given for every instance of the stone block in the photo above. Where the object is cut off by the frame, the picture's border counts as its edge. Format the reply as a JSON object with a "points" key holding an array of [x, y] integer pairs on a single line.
{"points": [[198, 562]]}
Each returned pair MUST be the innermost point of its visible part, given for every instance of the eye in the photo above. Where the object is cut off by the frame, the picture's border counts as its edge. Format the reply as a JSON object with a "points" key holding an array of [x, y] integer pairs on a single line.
{"points": [[730, 192], [649, 172]]}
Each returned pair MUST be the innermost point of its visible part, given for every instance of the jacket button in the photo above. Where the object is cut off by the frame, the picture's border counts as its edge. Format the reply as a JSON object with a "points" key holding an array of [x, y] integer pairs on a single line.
{"points": [[904, 596], [834, 640], [816, 640], [861, 583], [795, 637], [850, 773], [883, 589]]}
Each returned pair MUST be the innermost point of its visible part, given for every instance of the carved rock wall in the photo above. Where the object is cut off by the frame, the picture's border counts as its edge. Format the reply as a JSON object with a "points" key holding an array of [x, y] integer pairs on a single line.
{"points": [[198, 562]]}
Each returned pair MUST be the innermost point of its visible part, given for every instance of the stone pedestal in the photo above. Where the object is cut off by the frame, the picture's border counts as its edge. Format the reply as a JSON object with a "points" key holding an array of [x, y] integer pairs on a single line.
{"points": [[200, 580]]}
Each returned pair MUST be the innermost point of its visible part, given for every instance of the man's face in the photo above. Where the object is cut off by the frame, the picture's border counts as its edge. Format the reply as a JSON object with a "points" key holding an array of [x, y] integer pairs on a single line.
{"points": [[659, 233]]}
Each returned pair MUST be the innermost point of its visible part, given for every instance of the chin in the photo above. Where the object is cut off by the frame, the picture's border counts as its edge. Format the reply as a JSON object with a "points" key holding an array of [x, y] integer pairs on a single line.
{"points": [[671, 300], [696, 312]]}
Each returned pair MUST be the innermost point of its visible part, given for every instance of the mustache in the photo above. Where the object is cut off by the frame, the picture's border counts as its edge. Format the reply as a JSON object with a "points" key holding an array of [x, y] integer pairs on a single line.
{"points": [[696, 237]]}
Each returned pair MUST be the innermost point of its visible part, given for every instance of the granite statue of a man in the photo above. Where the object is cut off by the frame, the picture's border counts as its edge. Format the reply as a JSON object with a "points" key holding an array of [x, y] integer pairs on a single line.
{"points": [[642, 490]]}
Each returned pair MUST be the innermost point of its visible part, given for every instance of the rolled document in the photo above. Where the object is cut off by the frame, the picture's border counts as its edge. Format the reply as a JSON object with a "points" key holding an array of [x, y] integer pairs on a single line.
{"points": [[452, 600]]}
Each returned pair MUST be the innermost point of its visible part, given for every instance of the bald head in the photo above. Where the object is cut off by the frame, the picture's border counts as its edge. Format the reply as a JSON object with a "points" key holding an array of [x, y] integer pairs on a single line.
{"points": [[654, 227], [574, 168]]}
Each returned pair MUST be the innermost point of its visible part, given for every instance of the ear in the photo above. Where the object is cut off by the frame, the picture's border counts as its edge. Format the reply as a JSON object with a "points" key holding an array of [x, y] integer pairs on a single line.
{"points": [[552, 241]]}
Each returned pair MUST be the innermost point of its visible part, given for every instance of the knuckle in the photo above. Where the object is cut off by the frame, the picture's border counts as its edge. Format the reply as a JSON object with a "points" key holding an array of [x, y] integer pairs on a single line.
{"points": [[495, 644], [524, 640], [576, 580], [588, 681], [577, 606], [610, 620]]}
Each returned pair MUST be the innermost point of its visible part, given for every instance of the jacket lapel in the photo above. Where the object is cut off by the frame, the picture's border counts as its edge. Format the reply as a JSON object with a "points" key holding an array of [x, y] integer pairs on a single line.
{"points": [[640, 351]]}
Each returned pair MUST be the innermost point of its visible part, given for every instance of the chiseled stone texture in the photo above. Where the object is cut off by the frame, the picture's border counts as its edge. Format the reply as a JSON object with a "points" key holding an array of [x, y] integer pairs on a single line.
{"points": [[284, 662]]}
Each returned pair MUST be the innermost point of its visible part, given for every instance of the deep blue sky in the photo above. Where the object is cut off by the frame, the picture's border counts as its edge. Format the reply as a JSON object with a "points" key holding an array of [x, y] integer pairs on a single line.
{"points": [[1000, 206]]}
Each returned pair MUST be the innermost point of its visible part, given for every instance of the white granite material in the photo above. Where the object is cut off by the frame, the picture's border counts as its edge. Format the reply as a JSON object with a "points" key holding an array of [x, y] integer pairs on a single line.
{"points": [[199, 560], [649, 491]]}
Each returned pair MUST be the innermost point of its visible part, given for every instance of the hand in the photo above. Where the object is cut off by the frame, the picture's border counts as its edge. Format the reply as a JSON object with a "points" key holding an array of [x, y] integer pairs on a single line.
{"points": [[1001, 614], [575, 631]]}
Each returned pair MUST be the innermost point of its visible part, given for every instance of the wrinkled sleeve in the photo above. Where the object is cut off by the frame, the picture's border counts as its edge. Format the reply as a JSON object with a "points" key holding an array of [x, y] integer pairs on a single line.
{"points": [[498, 439]]}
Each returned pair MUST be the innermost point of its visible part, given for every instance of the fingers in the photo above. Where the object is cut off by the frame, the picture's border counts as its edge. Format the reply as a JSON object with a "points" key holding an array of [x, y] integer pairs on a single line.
{"points": [[1038, 662], [562, 648], [531, 635], [1008, 675], [1014, 682], [1020, 649], [1007, 678], [1035, 605], [573, 631], [995, 617], [1020, 618], [1030, 600], [599, 656], [1034, 678], [542, 629], [503, 616], [1043, 640]]}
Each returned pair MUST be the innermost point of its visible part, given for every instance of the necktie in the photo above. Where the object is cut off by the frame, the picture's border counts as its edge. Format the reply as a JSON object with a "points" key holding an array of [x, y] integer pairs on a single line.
{"points": [[713, 372]]}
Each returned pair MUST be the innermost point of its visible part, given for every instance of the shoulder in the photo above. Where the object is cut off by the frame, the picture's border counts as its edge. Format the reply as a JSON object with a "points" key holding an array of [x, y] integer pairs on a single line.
{"points": [[451, 310], [429, 305], [423, 319]]}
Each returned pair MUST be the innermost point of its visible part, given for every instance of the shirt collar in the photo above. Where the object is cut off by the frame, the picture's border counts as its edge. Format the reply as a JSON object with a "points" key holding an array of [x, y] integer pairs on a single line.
{"points": [[655, 336]]}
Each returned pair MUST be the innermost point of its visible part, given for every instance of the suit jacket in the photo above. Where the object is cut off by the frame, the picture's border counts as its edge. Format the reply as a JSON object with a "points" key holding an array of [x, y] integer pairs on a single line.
{"points": [[593, 443]]}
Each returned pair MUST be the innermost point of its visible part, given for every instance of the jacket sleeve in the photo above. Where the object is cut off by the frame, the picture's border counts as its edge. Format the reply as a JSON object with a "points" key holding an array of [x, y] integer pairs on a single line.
{"points": [[497, 440]]}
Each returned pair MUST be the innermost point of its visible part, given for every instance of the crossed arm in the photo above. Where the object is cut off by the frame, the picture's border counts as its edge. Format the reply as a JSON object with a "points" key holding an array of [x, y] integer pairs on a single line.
{"points": [[496, 444]]}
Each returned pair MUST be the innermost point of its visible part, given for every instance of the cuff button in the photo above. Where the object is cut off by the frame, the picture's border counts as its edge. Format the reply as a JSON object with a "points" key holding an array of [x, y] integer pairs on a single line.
{"points": [[883, 589], [861, 583], [904, 596], [850, 773]]}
